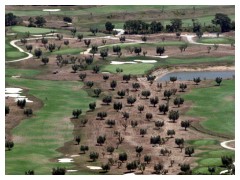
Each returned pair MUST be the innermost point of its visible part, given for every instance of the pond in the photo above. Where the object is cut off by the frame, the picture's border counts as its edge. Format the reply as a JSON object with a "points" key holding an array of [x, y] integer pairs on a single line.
{"points": [[189, 75]]}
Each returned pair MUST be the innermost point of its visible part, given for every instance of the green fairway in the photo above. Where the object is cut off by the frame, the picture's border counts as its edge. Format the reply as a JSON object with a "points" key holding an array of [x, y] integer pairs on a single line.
{"points": [[30, 73], [41, 135], [134, 69], [220, 40], [63, 51], [12, 53], [216, 106], [211, 157], [32, 30]]}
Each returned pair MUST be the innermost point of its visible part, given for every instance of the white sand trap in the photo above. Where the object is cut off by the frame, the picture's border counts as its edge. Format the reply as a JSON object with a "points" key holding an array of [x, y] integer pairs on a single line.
{"points": [[94, 167], [11, 34], [22, 98], [13, 90], [74, 155], [106, 72], [51, 10], [16, 76], [12, 95], [118, 62], [163, 56], [65, 160], [71, 170], [146, 61], [129, 174], [224, 171]]}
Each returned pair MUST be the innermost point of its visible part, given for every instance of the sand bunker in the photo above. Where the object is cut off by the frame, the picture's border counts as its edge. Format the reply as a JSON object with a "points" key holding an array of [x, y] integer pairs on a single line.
{"points": [[129, 174], [51, 10], [146, 61], [163, 56], [16, 76], [71, 170], [74, 155], [65, 160], [11, 34], [118, 62], [94, 167], [13, 90]]}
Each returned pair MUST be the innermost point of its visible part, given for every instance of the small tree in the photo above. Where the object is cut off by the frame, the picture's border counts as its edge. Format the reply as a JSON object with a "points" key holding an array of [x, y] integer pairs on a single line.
{"points": [[92, 106], [140, 108], [146, 93], [110, 149], [101, 115], [96, 69], [82, 76], [7, 110], [28, 112], [177, 101], [109, 26], [97, 92], [144, 53], [83, 122], [93, 156], [189, 151], [38, 52], [113, 84], [29, 172], [21, 103], [182, 87], [209, 49], [136, 86], [143, 132], [29, 47], [87, 42], [147, 159], [131, 166], [173, 79], [75, 68], [104, 41], [9, 145], [117, 49], [84, 148], [104, 53], [154, 101], [76, 113], [137, 50], [159, 124], [89, 84], [125, 115], [23, 41], [73, 32], [122, 157], [211, 170], [197, 80], [163, 108], [101, 140], [138, 150], [106, 167], [167, 94], [144, 38], [119, 70], [117, 106], [179, 142], [134, 124], [94, 31], [66, 42], [80, 37], [218, 80], [94, 49], [121, 93], [185, 168], [122, 39], [185, 124], [44, 41], [131, 100], [149, 116], [226, 161], [170, 133], [107, 99], [58, 171], [160, 50], [158, 168], [78, 139], [105, 77], [126, 77], [173, 115], [110, 123]]}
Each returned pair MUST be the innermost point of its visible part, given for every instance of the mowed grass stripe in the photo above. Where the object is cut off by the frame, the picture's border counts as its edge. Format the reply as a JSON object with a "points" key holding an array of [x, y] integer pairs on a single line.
{"points": [[216, 106], [52, 121]]}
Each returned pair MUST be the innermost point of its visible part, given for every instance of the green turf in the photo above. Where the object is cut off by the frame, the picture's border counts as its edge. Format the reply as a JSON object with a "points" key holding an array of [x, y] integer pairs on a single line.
{"points": [[63, 51], [30, 73], [42, 134], [12, 53], [216, 105], [202, 142], [220, 40], [134, 69], [32, 30]]}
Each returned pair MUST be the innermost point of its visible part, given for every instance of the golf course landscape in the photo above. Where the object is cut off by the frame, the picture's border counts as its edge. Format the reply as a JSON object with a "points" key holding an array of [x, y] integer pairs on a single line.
{"points": [[85, 92]]}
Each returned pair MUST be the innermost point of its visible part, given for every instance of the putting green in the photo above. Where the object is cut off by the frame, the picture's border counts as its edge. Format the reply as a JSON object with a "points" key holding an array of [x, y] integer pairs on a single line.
{"points": [[216, 106], [49, 129], [32, 30], [219, 40]]}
